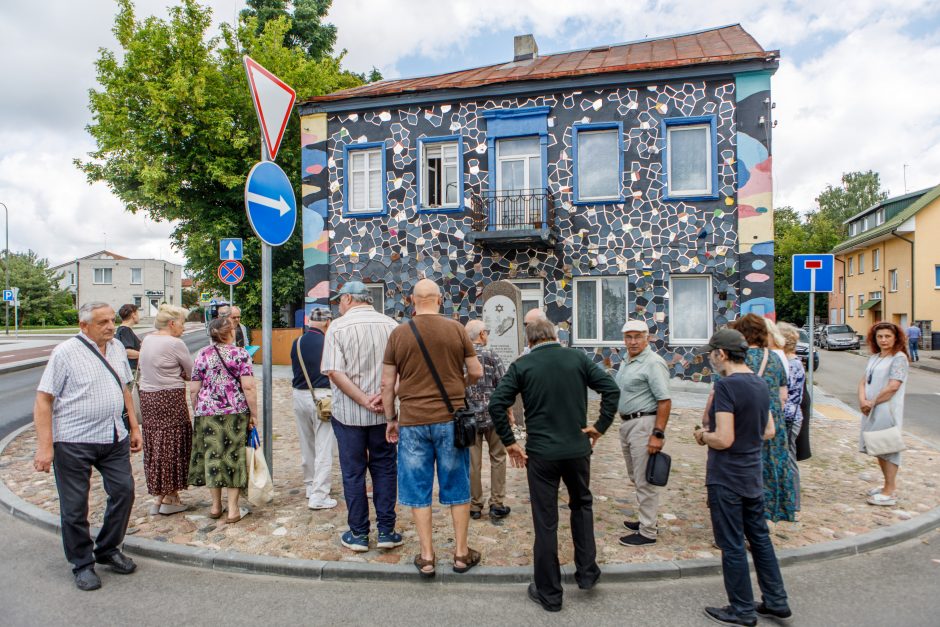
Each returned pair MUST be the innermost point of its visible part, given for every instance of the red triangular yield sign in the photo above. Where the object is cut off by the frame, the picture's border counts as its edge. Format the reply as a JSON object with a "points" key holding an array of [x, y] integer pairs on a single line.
{"points": [[273, 102]]}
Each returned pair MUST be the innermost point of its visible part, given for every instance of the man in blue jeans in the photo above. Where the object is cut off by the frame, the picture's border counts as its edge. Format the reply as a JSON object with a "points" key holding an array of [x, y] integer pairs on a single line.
{"points": [[913, 341], [737, 422], [352, 359], [424, 426]]}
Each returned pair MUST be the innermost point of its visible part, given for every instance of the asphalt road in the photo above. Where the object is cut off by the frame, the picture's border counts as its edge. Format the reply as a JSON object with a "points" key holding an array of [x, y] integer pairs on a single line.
{"points": [[840, 371], [18, 389]]}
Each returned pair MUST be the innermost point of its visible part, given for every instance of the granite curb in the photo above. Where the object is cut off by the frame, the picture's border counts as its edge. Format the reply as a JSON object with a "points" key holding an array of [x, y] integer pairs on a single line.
{"points": [[237, 562]]}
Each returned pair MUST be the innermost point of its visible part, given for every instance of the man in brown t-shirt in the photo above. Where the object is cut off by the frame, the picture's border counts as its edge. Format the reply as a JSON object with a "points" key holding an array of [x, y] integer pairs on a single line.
{"points": [[424, 428]]}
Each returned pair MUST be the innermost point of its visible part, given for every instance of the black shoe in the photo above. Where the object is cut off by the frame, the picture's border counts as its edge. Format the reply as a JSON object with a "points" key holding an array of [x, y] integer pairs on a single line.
{"points": [[763, 610], [636, 539], [632, 525], [499, 511], [589, 585], [119, 563], [87, 579], [534, 596], [727, 616], [475, 515]]}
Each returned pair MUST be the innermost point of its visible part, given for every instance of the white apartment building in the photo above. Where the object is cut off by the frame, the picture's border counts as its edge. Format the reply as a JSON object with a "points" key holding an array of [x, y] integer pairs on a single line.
{"points": [[107, 277]]}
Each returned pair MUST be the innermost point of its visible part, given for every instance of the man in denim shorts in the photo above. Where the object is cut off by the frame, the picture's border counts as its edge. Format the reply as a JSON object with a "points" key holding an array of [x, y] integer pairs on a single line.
{"points": [[424, 428]]}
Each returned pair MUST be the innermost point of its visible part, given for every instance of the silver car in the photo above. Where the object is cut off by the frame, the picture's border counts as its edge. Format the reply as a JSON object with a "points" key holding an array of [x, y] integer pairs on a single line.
{"points": [[839, 337]]}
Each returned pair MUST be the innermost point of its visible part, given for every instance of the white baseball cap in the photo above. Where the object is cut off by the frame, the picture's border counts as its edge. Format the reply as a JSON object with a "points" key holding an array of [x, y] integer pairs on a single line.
{"points": [[635, 326]]}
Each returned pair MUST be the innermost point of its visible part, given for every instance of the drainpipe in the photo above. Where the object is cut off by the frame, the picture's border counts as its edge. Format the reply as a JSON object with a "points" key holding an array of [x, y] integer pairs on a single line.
{"points": [[913, 284]]}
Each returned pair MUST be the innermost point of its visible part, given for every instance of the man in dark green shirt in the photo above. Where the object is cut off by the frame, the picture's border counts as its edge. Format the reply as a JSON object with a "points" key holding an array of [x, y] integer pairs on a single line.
{"points": [[553, 381]]}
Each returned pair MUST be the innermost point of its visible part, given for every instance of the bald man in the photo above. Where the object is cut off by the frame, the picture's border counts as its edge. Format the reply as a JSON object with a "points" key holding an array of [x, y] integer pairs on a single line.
{"points": [[424, 427]]}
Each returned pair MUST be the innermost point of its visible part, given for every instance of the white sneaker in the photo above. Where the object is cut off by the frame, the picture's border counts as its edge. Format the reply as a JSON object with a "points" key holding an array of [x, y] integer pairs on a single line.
{"points": [[327, 503], [168, 509], [309, 491]]}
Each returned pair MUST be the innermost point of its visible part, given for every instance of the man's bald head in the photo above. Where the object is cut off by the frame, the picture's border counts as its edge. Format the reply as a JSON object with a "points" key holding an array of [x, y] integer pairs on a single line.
{"points": [[534, 314], [427, 296]]}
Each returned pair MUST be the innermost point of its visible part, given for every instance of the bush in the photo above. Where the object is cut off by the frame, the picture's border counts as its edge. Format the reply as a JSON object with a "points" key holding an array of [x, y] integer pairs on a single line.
{"points": [[68, 317]]}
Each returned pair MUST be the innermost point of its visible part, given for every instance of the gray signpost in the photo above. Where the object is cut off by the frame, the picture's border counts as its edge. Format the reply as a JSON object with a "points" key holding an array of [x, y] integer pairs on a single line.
{"points": [[811, 274]]}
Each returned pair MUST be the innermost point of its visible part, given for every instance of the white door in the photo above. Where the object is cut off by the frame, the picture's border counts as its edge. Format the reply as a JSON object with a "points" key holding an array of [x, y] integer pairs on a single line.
{"points": [[518, 173], [903, 324]]}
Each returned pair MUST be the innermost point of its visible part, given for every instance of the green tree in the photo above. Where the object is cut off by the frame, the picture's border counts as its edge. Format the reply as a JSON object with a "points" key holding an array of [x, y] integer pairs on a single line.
{"points": [[857, 192], [41, 300], [306, 29], [176, 133]]}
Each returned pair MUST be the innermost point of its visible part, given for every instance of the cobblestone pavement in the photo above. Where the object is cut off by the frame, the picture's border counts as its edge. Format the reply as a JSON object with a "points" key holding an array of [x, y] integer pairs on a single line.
{"points": [[834, 484]]}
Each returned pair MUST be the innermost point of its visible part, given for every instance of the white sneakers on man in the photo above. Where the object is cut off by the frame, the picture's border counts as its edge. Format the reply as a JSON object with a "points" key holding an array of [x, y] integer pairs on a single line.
{"points": [[315, 503]]}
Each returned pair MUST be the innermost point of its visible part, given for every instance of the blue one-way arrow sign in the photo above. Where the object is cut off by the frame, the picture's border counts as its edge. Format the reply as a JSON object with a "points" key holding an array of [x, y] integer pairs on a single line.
{"points": [[270, 203], [230, 249]]}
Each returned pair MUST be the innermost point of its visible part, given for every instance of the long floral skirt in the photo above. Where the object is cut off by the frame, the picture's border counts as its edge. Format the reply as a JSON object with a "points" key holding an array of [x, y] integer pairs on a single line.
{"points": [[218, 457], [168, 440]]}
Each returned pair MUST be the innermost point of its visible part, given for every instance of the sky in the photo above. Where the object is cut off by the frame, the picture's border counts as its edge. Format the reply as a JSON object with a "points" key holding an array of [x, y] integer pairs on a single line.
{"points": [[856, 89]]}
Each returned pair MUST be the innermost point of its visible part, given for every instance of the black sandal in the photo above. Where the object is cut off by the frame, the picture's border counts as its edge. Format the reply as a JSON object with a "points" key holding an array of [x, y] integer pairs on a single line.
{"points": [[421, 564], [471, 559]]}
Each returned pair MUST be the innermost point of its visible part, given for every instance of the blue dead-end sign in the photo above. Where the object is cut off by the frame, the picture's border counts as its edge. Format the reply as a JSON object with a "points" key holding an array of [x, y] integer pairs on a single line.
{"points": [[813, 273], [270, 203]]}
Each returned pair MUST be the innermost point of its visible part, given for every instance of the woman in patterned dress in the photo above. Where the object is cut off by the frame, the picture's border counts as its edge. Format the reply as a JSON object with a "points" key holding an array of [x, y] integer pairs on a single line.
{"points": [[165, 366], [223, 393], [779, 493], [792, 413]]}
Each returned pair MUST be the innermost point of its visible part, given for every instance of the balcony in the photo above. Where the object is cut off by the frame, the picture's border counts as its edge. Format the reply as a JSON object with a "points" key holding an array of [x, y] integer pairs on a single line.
{"points": [[513, 219]]}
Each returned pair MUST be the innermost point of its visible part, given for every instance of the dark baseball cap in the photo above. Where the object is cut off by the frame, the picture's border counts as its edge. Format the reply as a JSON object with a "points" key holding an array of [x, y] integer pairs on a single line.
{"points": [[726, 339]]}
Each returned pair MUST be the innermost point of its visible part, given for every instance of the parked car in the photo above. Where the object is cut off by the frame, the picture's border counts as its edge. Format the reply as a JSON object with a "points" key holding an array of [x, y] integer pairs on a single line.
{"points": [[802, 350], [839, 337]]}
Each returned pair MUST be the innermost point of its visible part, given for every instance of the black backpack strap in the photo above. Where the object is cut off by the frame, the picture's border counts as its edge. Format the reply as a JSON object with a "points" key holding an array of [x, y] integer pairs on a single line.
{"points": [[427, 358], [98, 354], [238, 380]]}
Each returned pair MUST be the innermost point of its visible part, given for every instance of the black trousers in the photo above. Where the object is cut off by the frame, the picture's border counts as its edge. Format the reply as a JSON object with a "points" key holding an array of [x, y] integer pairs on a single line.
{"points": [[72, 463], [544, 476]]}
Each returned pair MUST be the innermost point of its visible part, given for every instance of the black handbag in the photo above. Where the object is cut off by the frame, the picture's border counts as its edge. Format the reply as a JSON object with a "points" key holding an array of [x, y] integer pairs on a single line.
{"points": [[465, 421], [657, 469]]}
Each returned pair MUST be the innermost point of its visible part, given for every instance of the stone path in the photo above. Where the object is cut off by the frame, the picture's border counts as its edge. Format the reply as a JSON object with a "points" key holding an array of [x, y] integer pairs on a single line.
{"points": [[834, 484]]}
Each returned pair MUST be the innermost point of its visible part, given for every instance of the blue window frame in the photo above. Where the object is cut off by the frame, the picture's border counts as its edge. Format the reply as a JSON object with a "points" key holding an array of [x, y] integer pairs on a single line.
{"points": [[690, 158], [374, 155], [584, 190], [441, 186], [936, 277]]}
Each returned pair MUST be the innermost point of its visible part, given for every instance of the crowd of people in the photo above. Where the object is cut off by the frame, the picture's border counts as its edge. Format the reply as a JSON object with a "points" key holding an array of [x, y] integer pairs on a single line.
{"points": [[394, 398]]}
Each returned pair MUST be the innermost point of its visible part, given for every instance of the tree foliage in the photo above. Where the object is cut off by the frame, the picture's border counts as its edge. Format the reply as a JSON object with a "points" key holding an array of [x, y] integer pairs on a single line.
{"points": [[41, 300], [306, 30], [858, 191], [176, 133]]}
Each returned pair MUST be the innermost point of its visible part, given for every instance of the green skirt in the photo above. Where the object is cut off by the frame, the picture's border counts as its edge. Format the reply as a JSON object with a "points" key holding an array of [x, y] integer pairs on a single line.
{"points": [[218, 454]]}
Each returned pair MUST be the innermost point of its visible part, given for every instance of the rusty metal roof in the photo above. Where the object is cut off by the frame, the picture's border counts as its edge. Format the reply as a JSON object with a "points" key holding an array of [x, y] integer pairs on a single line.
{"points": [[718, 45]]}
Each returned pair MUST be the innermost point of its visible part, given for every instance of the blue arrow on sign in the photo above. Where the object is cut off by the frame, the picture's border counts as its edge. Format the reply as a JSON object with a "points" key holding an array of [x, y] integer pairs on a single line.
{"points": [[230, 249], [270, 203]]}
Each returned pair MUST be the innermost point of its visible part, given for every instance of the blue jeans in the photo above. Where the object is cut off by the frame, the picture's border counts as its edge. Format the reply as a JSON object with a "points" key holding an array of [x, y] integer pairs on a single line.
{"points": [[735, 517], [361, 448], [421, 448], [912, 344]]}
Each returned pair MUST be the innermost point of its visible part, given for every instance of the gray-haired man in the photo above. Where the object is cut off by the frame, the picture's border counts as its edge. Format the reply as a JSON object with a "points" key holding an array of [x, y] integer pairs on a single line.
{"points": [[78, 416]]}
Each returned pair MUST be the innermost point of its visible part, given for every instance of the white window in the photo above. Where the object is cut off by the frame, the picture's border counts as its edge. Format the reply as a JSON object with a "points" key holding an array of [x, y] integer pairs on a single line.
{"points": [[600, 309], [690, 309], [137, 301], [689, 162], [842, 285], [861, 301], [853, 228], [841, 315], [861, 263], [880, 217], [851, 306], [851, 266], [875, 296], [137, 276], [71, 278], [833, 316], [377, 292], [865, 223], [365, 181], [103, 276], [518, 164], [532, 294], [876, 259], [598, 164], [440, 176]]}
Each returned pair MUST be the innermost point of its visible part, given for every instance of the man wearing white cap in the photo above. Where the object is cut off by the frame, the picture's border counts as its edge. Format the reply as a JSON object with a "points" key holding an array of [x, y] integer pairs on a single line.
{"points": [[644, 406]]}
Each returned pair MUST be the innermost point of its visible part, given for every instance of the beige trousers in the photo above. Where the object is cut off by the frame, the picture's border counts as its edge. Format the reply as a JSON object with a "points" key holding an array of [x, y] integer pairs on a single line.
{"points": [[634, 438], [497, 470]]}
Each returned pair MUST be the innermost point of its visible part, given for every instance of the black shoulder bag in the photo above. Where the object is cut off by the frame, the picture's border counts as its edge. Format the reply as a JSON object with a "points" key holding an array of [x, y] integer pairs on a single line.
{"points": [[124, 417], [238, 380], [465, 421]]}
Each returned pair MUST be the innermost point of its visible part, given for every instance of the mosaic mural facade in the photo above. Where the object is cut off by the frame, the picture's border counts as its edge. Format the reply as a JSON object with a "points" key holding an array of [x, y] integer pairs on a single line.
{"points": [[645, 239]]}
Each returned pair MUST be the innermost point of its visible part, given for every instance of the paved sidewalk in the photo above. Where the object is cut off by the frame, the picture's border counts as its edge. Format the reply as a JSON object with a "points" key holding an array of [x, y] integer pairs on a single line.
{"points": [[834, 485]]}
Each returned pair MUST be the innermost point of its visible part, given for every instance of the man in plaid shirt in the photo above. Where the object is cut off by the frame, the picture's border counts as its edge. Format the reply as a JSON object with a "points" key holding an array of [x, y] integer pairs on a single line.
{"points": [[478, 397]]}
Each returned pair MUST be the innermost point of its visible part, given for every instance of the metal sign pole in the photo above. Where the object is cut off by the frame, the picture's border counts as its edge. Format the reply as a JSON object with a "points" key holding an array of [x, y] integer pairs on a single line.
{"points": [[231, 298], [267, 333], [812, 349]]}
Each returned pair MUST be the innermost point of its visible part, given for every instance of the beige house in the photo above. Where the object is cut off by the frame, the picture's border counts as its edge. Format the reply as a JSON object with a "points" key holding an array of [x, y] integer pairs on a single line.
{"points": [[111, 278], [889, 267]]}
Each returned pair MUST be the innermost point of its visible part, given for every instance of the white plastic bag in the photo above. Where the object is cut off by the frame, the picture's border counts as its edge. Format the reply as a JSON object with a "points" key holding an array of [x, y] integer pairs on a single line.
{"points": [[260, 486]]}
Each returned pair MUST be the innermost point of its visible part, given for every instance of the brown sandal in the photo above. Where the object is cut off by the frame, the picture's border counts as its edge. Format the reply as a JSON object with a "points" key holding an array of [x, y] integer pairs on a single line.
{"points": [[216, 516], [421, 564], [471, 559]]}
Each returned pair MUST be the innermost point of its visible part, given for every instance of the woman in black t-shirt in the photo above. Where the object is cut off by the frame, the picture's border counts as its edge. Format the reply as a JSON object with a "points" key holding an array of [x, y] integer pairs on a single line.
{"points": [[125, 333]]}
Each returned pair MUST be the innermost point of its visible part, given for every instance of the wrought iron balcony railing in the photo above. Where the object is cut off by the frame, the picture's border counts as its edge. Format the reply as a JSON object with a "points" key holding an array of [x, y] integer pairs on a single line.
{"points": [[515, 209]]}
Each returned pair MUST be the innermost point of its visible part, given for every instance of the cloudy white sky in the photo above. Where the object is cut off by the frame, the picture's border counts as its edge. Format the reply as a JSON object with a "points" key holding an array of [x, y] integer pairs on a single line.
{"points": [[856, 89]]}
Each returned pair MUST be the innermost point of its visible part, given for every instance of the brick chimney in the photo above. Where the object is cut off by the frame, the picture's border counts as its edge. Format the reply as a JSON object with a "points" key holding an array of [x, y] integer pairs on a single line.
{"points": [[524, 48]]}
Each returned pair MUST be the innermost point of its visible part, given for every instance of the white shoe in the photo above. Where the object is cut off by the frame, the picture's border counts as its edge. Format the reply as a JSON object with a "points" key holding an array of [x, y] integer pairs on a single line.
{"points": [[168, 509], [327, 503], [309, 491], [882, 500], [154, 509]]}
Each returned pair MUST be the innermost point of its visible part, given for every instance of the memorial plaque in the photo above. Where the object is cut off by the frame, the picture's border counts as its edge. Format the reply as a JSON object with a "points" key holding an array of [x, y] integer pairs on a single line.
{"points": [[502, 315]]}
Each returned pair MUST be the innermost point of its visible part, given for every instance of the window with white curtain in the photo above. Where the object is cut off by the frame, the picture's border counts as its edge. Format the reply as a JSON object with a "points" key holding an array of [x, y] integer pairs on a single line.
{"points": [[365, 181], [689, 163], [598, 164], [690, 309], [137, 276], [440, 175], [102, 275], [600, 309]]}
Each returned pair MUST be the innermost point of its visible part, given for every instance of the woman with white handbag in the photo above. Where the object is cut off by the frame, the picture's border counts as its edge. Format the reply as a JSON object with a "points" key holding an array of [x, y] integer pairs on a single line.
{"points": [[881, 399]]}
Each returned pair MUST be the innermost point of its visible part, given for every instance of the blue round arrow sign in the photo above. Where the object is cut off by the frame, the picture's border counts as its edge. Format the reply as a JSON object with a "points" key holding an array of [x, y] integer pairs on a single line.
{"points": [[270, 203]]}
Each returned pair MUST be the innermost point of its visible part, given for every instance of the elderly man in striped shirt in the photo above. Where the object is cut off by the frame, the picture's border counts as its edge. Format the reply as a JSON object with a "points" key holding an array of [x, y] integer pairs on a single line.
{"points": [[352, 359], [78, 415]]}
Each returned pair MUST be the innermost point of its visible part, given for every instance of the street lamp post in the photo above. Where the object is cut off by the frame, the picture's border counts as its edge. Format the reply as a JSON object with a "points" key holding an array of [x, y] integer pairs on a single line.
{"points": [[6, 265]]}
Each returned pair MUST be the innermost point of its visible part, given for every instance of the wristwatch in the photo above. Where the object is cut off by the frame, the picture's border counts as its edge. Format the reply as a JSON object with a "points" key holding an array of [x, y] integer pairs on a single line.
{"points": [[659, 433]]}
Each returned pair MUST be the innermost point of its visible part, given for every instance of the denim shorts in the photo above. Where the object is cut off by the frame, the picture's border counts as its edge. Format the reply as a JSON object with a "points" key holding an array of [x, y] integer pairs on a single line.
{"points": [[419, 447]]}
